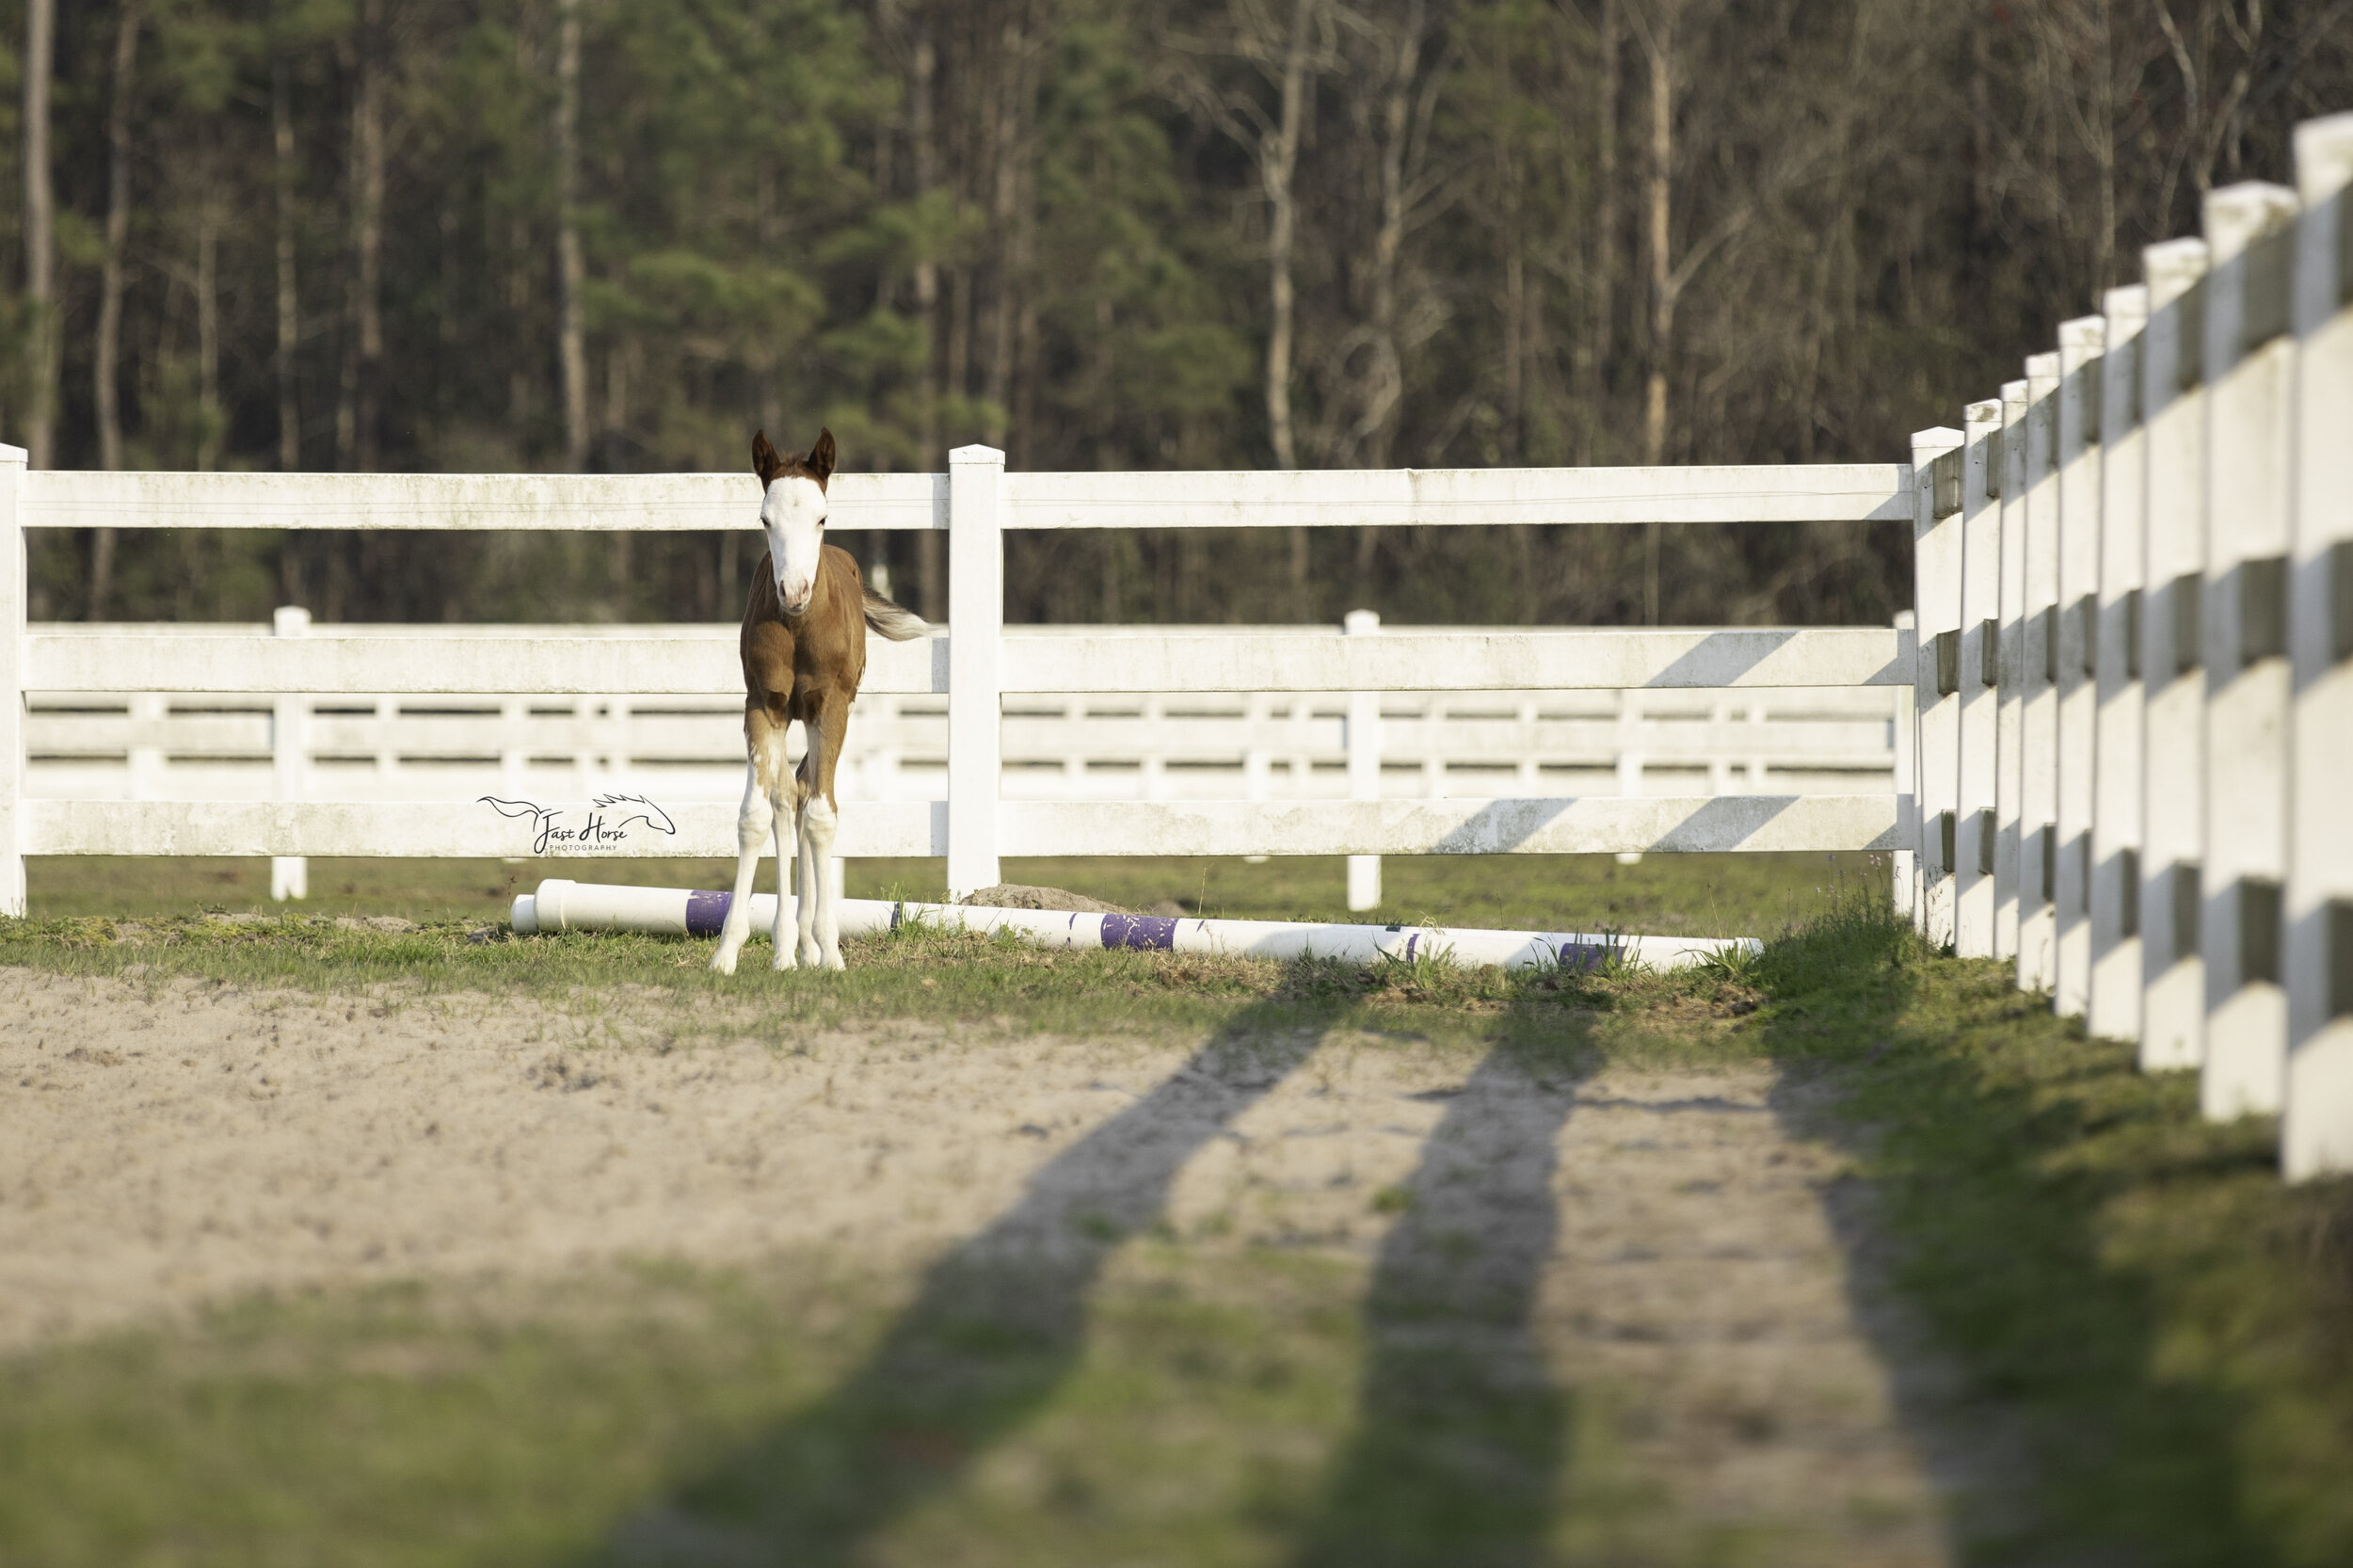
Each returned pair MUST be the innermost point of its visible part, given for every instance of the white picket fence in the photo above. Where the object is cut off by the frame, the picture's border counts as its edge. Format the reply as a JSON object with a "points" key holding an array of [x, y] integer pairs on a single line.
{"points": [[2135, 707]]}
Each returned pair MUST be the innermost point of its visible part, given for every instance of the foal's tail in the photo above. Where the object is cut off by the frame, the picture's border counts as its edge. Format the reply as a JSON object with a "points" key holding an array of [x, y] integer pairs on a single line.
{"points": [[894, 621]]}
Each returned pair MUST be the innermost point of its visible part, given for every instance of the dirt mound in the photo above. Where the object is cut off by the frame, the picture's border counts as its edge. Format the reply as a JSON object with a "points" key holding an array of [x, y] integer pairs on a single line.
{"points": [[1013, 895]]}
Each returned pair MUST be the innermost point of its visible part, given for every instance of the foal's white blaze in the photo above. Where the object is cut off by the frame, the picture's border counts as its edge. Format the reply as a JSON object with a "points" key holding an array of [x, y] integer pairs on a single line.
{"points": [[793, 517]]}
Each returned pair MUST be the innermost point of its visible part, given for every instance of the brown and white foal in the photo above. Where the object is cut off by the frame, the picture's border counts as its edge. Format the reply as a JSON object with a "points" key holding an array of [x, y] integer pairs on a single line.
{"points": [[804, 647]]}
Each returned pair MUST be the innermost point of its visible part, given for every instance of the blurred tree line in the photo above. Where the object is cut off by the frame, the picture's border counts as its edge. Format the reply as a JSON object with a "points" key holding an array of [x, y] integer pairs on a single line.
{"points": [[585, 234]]}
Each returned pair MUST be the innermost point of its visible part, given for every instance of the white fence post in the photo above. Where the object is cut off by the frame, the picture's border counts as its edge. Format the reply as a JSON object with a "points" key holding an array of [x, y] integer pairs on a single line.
{"points": [[290, 757], [149, 713], [1980, 631], [2316, 1132], [2172, 763], [2038, 730], [12, 591], [2249, 371], [1364, 765], [2010, 646], [1632, 759], [2114, 1011], [976, 615], [2081, 344], [1905, 867], [1936, 600]]}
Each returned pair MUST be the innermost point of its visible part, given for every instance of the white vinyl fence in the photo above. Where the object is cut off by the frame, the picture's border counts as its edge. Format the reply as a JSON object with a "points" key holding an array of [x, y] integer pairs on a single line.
{"points": [[980, 683], [2121, 769], [2134, 738]]}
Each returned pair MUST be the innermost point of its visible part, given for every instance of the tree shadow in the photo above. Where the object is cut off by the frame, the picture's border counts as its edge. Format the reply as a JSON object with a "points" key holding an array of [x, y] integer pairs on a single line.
{"points": [[996, 1327], [1461, 1432], [2025, 1362]]}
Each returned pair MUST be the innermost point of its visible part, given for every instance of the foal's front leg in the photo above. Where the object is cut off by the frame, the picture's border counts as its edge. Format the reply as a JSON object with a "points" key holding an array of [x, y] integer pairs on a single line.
{"points": [[764, 814], [820, 921], [752, 828]]}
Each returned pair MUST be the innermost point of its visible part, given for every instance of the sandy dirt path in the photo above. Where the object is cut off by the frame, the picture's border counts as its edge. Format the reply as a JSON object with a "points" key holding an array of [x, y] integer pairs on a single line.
{"points": [[1658, 1242]]}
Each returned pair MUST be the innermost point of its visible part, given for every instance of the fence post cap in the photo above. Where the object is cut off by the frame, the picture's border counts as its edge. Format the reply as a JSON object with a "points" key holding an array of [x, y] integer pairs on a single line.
{"points": [[2170, 267], [2324, 157], [2238, 215], [1357, 623], [13, 457], [976, 453], [289, 620], [2083, 332]]}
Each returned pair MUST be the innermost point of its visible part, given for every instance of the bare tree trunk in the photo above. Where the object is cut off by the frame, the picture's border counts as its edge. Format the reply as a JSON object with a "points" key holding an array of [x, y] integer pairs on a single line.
{"points": [[929, 592], [2103, 147], [520, 401], [289, 317], [41, 241], [373, 46], [1660, 44], [571, 333], [104, 393], [1605, 265], [1515, 317], [208, 318], [1376, 418], [1008, 144], [104, 390], [1279, 161]]}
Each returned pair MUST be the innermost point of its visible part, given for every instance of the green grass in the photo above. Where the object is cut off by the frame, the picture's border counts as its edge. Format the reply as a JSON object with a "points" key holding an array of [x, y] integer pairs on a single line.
{"points": [[2153, 1338], [1670, 895], [2127, 1287]]}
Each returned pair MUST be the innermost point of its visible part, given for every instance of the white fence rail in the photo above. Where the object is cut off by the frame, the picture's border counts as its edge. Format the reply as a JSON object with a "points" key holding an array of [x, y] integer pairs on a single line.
{"points": [[1143, 747], [2135, 726]]}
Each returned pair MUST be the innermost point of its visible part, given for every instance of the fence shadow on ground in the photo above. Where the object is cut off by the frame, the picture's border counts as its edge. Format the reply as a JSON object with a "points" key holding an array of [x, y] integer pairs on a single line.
{"points": [[1461, 1432], [997, 1326], [2026, 1367]]}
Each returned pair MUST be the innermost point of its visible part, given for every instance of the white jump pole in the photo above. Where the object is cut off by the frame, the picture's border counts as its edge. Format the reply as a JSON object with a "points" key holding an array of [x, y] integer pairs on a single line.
{"points": [[560, 905]]}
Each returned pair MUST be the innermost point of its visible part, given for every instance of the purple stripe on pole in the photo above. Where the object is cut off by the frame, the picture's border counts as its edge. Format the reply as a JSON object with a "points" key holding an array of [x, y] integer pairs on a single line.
{"points": [[1409, 946], [706, 912], [1148, 931], [1584, 957]]}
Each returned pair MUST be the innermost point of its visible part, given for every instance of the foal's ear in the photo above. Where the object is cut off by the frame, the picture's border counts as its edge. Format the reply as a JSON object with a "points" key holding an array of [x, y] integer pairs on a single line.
{"points": [[819, 462], [764, 459]]}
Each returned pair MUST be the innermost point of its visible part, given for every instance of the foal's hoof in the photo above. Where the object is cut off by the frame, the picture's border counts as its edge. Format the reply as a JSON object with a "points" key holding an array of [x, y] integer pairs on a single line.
{"points": [[784, 959], [723, 961]]}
